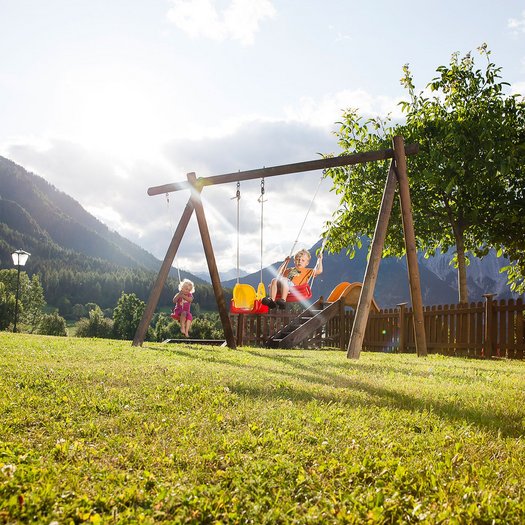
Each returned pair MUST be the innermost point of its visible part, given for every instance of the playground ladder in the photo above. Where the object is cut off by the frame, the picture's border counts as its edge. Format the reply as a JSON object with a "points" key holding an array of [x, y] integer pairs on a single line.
{"points": [[304, 325]]}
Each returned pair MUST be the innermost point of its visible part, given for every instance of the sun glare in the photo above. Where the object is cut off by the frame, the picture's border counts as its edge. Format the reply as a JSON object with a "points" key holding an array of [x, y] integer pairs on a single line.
{"points": [[111, 111]]}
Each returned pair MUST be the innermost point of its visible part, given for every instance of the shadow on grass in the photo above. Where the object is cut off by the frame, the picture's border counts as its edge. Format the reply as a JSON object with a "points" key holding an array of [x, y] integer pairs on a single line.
{"points": [[296, 367], [483, 418]]}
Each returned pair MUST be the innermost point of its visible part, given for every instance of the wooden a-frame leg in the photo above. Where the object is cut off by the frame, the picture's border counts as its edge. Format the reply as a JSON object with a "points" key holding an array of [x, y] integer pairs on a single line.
{"points": [[367, 291], [164, 271]]}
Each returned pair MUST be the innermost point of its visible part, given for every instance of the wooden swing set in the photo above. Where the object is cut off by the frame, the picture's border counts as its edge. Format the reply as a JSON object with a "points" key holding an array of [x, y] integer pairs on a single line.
{"points": [[397, 175], [248, 300]]}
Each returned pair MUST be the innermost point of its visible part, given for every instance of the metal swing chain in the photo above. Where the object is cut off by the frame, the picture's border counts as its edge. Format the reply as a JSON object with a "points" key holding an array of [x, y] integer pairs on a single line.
{"points": [[238, 197], [261, 200]]}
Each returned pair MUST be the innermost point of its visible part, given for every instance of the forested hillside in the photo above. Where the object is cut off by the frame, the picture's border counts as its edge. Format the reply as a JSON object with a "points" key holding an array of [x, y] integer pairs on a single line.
{"points": [[79, 260]]}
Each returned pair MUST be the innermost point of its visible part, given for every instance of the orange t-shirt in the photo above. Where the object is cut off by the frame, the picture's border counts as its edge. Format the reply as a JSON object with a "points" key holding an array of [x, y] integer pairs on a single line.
{"points": [[298, 276]]}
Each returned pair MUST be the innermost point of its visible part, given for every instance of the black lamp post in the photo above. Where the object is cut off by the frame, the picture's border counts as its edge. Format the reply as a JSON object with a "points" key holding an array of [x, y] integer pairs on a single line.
{"points": [[19, 259]]}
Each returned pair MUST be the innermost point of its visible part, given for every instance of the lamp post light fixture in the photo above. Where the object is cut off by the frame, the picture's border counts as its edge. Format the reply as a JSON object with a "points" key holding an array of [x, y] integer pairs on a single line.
{"points": [[19, 259]]}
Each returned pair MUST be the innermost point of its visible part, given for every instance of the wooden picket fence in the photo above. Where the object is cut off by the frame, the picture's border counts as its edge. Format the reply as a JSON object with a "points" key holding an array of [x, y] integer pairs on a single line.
{"points": [[486, 329]]}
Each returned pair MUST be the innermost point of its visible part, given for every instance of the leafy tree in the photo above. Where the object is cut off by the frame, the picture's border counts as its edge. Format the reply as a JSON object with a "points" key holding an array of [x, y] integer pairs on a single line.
{"points": [[165, 328], [78, 311], [96, 326], [52, 324], [30, 299], [127, 315], [34, 303], [206, 326], [7, 306], [467, 180]]}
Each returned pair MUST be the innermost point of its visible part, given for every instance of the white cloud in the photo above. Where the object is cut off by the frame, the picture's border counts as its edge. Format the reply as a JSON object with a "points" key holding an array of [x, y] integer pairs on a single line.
{"points": [[238, 21], [116, 193], [115, 190], [328, 110], [517, 25]]}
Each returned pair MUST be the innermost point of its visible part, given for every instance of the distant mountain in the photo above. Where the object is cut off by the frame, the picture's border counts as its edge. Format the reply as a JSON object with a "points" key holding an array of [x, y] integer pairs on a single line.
{"points": [[438, 278], [31, 206], [71, 249]]}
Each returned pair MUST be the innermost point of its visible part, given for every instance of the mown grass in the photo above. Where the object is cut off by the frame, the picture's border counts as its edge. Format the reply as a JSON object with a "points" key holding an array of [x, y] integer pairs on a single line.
{"points": [[95, 431]]}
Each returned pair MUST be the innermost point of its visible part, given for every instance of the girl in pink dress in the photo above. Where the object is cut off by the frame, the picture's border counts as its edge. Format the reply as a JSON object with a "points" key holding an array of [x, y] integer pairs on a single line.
{"points": [[183, 301]]}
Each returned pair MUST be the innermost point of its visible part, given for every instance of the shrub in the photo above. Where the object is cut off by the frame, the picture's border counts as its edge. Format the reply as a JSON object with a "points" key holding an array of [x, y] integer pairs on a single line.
{"points": [[127, 315], [96, 326], [52, 324], [207, 326]]}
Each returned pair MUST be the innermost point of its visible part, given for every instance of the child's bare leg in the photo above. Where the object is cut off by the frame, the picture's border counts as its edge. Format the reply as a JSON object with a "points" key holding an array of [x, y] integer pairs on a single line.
{"points": [[183, 323], [285, 288], [273, 289], [188, 326]]}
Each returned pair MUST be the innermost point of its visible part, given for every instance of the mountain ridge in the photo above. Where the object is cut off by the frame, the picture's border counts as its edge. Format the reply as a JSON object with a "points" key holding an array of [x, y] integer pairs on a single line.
{"points": [[437, 277], [78, 258]]}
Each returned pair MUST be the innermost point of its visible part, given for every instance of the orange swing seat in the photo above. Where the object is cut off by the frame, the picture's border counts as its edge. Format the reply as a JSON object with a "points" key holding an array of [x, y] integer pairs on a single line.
{"points": [[298, 293]]}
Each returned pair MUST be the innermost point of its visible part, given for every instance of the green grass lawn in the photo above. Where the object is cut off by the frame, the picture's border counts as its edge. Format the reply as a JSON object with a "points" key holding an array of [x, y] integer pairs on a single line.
{"points": [[96, 431]]}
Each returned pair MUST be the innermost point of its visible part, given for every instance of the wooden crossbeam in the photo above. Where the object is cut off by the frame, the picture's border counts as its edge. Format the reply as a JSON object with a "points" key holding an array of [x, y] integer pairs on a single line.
{"points": [[285, 169]]}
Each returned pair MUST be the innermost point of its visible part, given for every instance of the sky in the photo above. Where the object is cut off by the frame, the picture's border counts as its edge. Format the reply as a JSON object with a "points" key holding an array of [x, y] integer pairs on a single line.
{"points": [[106, 98]]}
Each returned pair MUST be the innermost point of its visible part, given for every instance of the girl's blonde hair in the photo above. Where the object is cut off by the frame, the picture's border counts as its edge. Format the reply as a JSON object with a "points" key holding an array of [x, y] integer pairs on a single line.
{"points": [[187, 281]]}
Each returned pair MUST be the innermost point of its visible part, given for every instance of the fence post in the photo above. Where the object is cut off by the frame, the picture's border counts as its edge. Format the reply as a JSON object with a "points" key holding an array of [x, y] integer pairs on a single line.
{"points": [[489, 325], [402, 327], [240, 329]]}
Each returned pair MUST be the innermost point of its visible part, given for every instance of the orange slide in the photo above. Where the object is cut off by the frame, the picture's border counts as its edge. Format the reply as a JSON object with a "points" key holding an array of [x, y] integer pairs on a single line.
{"points": [[350, 292]]}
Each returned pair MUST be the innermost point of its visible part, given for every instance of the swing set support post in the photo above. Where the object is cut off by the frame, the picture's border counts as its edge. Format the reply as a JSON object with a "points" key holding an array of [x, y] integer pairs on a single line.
{"points": [[410, 246], [210, 259], [367, 291], [164, 271], [396, 174]]}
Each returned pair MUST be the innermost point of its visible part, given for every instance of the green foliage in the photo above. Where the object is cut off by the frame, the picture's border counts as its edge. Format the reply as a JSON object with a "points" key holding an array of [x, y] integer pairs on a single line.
{"points": [[165, 328], [31, 300], [127, 316], [79, 311], [34, 303], [186, 434], [205, 326], [52, 324], [467, 181], [7, 306], [95, 326]]}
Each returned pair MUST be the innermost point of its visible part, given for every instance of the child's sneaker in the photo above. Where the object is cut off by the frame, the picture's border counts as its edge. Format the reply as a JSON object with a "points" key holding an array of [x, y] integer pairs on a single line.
{"points": [[270, 303]]}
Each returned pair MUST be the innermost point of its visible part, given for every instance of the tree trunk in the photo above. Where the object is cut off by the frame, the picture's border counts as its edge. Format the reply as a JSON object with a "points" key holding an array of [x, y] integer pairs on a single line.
{"points": [[462, 267]]}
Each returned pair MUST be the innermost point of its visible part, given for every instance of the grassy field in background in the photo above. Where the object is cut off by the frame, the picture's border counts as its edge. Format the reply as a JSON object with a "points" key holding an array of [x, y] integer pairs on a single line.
{"points": [[95, 431]]}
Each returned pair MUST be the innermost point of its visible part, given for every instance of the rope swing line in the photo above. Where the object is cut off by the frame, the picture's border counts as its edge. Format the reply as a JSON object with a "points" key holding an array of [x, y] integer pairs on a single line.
{"points": [[306, 216], [171, 229], [304, 291]]}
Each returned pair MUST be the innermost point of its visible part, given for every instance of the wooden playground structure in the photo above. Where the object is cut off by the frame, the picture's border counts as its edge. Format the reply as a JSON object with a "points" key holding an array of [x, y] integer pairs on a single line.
{"points": [[313, 318], [316, 315]]}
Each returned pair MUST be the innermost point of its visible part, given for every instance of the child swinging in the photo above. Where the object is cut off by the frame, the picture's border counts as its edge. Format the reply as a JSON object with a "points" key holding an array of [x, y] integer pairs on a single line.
{"points": [[183, 301], [288, 278]]}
